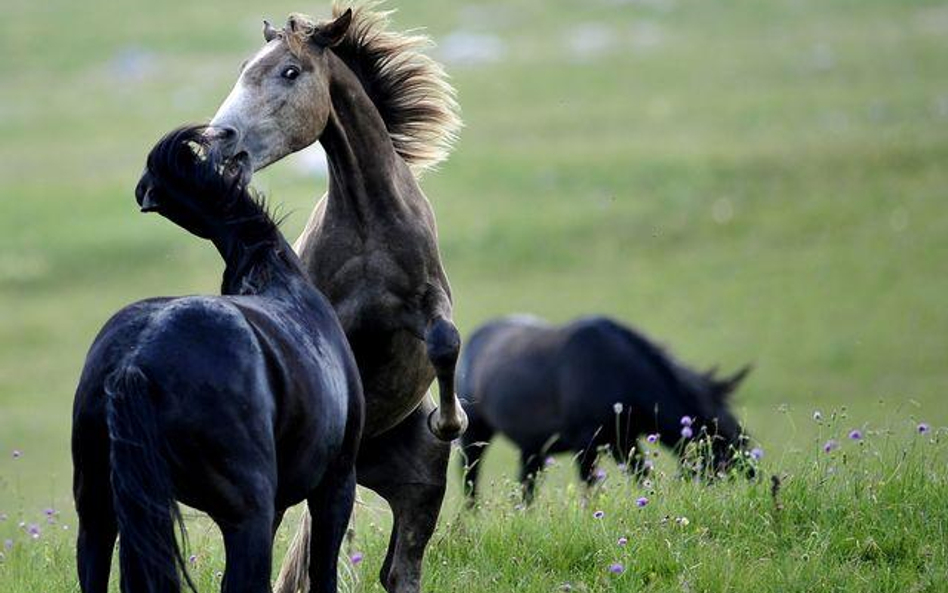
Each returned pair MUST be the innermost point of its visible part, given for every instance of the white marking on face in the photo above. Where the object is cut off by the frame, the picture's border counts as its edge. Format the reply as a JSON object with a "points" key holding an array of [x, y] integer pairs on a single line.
{"points": [[238, 102]]}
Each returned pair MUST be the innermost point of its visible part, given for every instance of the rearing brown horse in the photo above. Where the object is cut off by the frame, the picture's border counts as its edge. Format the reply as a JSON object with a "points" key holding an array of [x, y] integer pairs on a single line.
{"points": [[382, 111]]}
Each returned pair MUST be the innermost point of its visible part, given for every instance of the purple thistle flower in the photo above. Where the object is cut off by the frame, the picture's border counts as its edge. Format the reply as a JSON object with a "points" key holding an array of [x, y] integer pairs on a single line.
{"points": [[33, 530], [923, 428], [623, 541], [686, 432], [599, 474], [356, 558], [830, 445], [17, 453], [192, 559], [549, 462], [686, 420], [641, 501], [652, 438], [616, 568], [855, 434], [757, 453], [598, 515], [49, 512]]}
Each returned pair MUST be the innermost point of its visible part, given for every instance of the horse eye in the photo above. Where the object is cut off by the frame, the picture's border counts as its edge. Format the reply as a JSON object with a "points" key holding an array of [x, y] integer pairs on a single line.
{"points": [[290, 73]]}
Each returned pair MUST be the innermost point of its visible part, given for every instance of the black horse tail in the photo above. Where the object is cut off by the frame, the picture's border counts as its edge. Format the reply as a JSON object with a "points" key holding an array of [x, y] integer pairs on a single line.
{"points": [[143, 493]]}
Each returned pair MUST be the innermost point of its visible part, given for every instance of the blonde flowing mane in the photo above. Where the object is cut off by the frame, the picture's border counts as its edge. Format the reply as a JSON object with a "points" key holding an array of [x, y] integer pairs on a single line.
{"points": [[410, 90]]}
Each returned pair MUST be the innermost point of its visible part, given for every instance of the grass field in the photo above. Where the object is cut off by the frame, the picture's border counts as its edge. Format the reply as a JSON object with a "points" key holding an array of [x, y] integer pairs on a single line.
{"points": [[744, 181]]}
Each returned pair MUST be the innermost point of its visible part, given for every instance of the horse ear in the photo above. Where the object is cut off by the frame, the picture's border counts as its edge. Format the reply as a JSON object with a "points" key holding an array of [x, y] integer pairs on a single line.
{"points": [[269, 32], [333, 32], [727, 386]]}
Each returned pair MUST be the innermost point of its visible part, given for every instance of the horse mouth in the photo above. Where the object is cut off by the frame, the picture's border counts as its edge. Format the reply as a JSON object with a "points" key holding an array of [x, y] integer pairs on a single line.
{"points": [[239, 166]]}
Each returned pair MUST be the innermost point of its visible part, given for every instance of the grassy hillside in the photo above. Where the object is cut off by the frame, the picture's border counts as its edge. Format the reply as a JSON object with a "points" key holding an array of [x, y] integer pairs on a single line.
{"points": [[743, 181]]}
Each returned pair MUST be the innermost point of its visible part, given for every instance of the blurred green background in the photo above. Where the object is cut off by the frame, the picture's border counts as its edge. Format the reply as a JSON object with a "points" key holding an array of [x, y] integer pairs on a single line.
{"points": [[744, 181]]}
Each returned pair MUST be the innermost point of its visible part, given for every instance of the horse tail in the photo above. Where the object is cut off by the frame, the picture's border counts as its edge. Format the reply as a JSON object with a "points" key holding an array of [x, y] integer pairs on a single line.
{"points": [[143, 493], [294, 573]]}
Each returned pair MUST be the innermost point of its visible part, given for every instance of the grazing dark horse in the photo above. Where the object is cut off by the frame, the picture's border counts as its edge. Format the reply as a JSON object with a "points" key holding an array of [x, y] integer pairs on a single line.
{"points": [[238, 405], [581, 387], [382, 110]]}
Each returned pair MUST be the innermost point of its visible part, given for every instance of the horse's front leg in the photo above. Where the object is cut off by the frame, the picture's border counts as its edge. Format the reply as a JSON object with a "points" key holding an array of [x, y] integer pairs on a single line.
{"points": [[443, 341]]}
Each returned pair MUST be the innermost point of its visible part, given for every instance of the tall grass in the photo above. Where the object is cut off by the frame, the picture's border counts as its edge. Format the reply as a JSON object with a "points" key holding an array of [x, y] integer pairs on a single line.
{"points": [[855, 510]]}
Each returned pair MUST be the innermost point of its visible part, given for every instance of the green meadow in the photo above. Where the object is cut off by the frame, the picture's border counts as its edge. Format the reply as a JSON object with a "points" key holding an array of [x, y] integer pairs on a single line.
{"points": [[744, 181]]}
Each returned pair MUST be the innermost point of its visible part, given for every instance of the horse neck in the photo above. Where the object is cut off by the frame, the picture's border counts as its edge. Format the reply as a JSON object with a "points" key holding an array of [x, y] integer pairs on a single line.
{"points": [[368, 180], [252, 263]]}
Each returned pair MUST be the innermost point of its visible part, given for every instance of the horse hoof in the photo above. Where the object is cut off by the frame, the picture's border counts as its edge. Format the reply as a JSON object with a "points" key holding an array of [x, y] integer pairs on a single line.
{"points": [[447, 429]]}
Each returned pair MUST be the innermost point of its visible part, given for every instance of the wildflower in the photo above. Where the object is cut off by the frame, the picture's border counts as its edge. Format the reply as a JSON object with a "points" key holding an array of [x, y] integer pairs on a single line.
{"points": [[683, 521], [623, 541], [33, 530], [598, 515], [652, 438], [648, 464], [65, 527], [757, 453], [830, 445], [616, 568], [49, 512], [641, 501], [549, 462], [923, 428], [17, 453], [219, 574], [622, 467], [617, 408], [855, 434], [356, 558], [817, 416], [8, 544], [686, 432], [646, 484], [192, 559], [686, 420], [599, 474]]}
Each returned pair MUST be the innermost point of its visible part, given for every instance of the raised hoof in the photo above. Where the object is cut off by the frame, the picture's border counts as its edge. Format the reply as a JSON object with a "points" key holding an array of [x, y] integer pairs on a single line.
{"points": [[447, 429]]}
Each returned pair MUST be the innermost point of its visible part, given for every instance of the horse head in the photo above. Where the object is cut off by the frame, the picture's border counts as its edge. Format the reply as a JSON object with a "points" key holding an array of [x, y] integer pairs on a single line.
{"points": [[189, 181], [281, 103]]}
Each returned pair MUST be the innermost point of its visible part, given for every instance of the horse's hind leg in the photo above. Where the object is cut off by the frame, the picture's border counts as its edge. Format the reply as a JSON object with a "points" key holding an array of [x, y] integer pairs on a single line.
{"points": [[92, 489], [530, 465], [444, 343], [330, 508], [407, 466], [97, 532], [474, 442], [248, 547]]}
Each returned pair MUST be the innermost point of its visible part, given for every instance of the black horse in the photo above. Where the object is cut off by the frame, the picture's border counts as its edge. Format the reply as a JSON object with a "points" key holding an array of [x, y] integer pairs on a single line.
{"points": [[589, 385], [237, 405]]}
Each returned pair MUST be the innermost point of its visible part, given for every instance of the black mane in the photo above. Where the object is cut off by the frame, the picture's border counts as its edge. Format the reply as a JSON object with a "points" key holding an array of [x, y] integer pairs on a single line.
{"points": [[189, 166]]}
